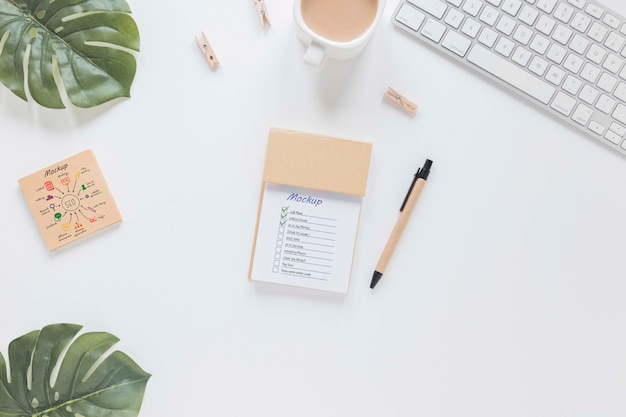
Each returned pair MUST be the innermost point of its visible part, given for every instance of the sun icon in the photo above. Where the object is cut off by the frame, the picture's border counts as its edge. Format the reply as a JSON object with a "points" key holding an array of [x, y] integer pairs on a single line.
{"points": [[70, 210]]}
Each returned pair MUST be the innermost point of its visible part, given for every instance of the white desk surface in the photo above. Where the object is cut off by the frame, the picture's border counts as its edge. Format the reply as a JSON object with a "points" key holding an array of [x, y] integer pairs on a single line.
{"points": [[505, 297]]}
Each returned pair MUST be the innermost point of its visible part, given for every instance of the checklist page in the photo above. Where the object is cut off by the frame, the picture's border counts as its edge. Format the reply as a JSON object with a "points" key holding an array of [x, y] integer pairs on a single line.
{"points": [[306, 237]]}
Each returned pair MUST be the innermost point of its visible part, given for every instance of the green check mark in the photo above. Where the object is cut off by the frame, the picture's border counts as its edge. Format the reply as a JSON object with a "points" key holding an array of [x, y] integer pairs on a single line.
{"points": [[284, 212]]}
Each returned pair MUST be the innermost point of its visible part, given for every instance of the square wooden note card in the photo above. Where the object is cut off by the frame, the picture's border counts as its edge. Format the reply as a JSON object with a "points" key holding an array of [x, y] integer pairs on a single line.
{"points": [[70, 200]]}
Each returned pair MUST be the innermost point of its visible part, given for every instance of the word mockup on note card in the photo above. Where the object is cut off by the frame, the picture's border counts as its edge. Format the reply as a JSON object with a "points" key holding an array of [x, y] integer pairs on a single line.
{"points": [[70, 200], [309, 210]]}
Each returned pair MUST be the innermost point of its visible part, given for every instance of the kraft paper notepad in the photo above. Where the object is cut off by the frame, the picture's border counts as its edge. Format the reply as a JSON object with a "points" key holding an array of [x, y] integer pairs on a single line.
{"points": [[309, 210], [70, 200]]}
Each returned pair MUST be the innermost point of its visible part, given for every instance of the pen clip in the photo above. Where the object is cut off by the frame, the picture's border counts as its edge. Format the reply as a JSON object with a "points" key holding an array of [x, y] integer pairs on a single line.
{"points": [[410, 188]]}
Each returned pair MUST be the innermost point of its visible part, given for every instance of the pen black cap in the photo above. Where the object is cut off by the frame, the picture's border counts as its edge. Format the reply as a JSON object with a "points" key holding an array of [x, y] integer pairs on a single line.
{"points": [[425, 170]]}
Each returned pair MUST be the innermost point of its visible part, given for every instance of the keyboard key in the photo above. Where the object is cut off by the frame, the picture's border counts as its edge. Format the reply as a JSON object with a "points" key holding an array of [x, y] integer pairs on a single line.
{"points": [[523, 34], [545, 25], [596, 54], [614, 42], [620, 113], [612, 63], [605, 104], [410, 17], [620, 91], [454, 18], [596, 127], [594, 10], [489, 15], [504, 47], [619, 129], [472, 7], [511, 74], [606, 82], [590, 73], [611, 20], [556, 53], [581, 22], [488, 37], [528, 15], [555, 75], [563, 103], [506, 25], [577, 3], [539, 44], [597, 32], [456, 3], [588, 94], [471, 28], [433, 7], [573, 63], [433, 30], [521, 56], [456, 43], [613, 137], [582, 115], [562, 34], [546, 5], [538, 66], [579, 44], [511, 6], [572, 85], [564, 12]]}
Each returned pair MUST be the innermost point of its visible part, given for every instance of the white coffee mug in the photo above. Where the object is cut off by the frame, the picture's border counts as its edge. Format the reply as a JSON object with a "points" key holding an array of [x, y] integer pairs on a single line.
{"points": [[335, 29]]}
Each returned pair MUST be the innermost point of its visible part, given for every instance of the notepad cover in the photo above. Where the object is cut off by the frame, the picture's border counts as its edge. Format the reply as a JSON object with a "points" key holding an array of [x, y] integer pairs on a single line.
{"points": [[309, 175]]}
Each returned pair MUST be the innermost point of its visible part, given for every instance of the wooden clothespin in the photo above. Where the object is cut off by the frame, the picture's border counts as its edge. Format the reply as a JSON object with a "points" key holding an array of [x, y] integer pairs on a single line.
{"points": [[398, 99], [207, 51], [261, 10]]}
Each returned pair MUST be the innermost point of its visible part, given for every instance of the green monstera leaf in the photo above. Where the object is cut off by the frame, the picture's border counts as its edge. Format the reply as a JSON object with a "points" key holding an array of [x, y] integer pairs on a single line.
{"points": [[77, 50], [54, 374]]}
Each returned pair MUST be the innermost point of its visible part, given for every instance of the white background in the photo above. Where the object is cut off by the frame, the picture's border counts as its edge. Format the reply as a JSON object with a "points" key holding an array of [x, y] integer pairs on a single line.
{"points": [[505, 297]]}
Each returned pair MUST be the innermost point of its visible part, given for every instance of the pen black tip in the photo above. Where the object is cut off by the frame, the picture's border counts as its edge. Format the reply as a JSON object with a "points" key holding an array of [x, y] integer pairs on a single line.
{"points": [[375, 278]]}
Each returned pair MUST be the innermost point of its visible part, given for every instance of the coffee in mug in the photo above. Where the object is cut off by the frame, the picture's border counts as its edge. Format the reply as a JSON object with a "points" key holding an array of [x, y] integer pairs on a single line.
{"points": [[336, 29], [339, 20]]}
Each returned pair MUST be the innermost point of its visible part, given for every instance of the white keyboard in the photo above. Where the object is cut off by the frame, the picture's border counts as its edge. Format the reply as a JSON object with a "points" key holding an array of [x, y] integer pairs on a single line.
{"points": [[567, 56]]}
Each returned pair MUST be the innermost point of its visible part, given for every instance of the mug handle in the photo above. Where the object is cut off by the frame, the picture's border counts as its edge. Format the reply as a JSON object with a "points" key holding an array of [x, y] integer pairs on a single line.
{"points": [[315, 55]]}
